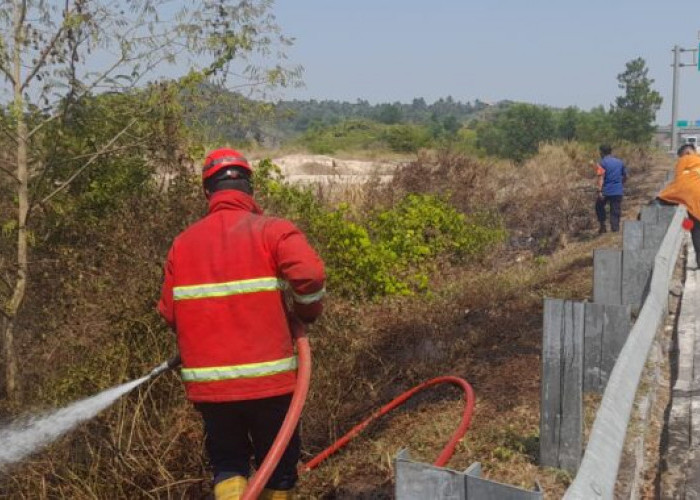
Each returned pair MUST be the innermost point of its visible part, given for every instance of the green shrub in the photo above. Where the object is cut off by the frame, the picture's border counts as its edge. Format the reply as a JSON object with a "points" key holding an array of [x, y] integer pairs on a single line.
{"points": [[423, 227], [353, 135], [357, 266], [405, 138], [297, 203], [385, 252]]}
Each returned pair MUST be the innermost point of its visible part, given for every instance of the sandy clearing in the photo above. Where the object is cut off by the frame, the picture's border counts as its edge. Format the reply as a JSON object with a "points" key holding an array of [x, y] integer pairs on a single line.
{"points": [[326, 169]]}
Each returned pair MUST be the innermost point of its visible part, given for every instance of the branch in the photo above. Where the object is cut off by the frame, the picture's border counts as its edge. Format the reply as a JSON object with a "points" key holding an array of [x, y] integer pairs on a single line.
{"points": [[10, 173], [100, 153], [41, 125], [22, 17], [87, 164], [7, 74], [85, 92], [47, 49], [42, 58]]}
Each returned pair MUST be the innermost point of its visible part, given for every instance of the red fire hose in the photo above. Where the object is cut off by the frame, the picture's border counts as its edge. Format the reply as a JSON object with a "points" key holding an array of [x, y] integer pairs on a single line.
{"points": [[258, 481], [446, 452]]}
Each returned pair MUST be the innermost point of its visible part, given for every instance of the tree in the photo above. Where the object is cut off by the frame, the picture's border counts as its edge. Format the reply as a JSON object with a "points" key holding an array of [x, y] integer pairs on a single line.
{"points": [[451, 125], [55, 56], [635, 111], [406, 138], [517, 132], [595, 126], [567, 121], [389, 114]]}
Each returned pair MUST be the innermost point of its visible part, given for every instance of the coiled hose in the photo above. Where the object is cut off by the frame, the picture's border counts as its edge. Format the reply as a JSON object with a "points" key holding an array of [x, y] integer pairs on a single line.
{"points": [[258, 481]]}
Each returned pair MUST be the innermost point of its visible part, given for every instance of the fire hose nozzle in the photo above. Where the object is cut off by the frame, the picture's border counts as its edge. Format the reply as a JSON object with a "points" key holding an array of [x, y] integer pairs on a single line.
{"points": [[174, 362], [171, 364]]}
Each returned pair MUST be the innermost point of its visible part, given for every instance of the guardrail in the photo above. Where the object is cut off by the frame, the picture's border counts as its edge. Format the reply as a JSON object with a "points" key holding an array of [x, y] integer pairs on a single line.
{"points": [[587, 346], [597, 475]]}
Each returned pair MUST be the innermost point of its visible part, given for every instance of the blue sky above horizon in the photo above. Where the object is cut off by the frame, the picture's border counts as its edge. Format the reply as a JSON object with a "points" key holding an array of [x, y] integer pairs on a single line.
{"points": [[551, 52]]}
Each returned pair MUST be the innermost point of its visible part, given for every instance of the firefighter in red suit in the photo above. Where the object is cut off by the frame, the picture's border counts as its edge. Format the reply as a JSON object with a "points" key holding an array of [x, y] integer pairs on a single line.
{"points": [[223, 294]]}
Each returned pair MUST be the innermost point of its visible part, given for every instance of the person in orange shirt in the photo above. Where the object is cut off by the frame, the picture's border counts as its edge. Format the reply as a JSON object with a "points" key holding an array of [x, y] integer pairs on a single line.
{"points": [[685, 190]]}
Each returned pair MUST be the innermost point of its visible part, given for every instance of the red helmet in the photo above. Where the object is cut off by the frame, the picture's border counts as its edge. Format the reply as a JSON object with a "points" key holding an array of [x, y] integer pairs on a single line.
{"points": [[222, 158]]}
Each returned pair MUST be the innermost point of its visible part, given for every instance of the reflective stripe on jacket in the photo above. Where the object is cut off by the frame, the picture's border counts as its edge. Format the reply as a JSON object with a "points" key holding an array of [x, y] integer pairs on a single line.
{"points": [[250, 370], [223, 294]]}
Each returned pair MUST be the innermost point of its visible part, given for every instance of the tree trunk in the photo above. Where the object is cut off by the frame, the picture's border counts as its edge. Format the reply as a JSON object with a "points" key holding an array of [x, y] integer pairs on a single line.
{"points": [[13, 305], [8, 348]]}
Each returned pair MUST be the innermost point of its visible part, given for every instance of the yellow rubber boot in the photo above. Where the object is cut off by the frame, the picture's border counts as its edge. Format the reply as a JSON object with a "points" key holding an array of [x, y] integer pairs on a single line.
{"points": [[231, 488], [268, 494]]}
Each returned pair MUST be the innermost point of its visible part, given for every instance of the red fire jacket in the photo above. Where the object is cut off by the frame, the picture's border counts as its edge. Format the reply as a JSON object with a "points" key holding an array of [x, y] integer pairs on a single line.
{"points": [[223, 295]]}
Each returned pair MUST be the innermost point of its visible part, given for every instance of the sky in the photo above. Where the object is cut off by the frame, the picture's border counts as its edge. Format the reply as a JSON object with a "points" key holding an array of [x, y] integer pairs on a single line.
{"points": [[552, 52]]}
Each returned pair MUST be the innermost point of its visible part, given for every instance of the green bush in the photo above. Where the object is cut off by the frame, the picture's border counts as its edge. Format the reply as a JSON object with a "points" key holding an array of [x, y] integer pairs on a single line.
{"points": [[386, 252], [357, 265], [405, 138], [353, 135], [517, 132], [422, 228], [293, 202]]}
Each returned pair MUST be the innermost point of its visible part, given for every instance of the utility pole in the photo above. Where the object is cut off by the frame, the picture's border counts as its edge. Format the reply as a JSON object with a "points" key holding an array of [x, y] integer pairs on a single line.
{"points": [[674, 100], [676, 81]]}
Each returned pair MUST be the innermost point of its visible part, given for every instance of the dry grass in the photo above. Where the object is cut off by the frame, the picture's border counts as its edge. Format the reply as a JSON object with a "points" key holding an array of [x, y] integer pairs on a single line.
{"points": [[482, 323], [541, 201]]}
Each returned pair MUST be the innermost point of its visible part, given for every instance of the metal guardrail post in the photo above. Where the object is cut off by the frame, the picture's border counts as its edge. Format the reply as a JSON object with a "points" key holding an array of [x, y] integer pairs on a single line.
{"points": [[419, 481]]}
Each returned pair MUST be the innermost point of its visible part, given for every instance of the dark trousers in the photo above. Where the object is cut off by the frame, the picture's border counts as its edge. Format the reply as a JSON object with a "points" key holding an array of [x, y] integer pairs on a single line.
{"points": [[695, 236], [615, 210], [238, 430]]}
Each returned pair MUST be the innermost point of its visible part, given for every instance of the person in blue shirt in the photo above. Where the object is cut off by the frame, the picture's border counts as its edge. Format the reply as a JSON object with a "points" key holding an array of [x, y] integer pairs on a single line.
{"points": [[612, 175]]}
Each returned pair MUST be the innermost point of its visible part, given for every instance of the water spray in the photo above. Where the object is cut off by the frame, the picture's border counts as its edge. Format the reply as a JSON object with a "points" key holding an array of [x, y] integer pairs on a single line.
{"points": [[30, 433]]}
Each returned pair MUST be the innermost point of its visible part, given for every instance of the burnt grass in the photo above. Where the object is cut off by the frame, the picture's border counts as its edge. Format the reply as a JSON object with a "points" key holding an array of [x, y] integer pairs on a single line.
{"points": [[93, 299], [483, 324]]}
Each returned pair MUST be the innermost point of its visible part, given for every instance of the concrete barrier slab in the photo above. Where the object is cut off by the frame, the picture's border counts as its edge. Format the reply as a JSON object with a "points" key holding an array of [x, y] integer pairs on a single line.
{"points": [[654, 233], [607, 276], [636, 276], [632, 235]]}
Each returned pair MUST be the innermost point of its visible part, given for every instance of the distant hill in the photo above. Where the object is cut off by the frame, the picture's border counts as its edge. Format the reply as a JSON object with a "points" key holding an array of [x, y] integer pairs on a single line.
{"points": [[297, 116], [230, 116]]}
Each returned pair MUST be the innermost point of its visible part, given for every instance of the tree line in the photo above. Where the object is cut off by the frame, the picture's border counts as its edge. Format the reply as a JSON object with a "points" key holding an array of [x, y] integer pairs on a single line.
{"points": [[505, 129], [517, 131]]}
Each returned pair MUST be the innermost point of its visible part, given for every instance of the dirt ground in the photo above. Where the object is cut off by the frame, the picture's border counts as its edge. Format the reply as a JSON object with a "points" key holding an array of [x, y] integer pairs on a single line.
{"points": [[306, 168]]}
